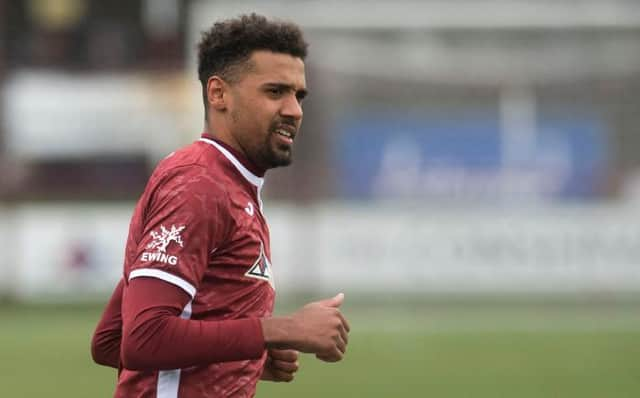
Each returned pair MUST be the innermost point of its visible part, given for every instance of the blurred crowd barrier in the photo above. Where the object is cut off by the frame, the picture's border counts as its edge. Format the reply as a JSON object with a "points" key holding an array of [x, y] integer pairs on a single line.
{"points": [[75, 250]]}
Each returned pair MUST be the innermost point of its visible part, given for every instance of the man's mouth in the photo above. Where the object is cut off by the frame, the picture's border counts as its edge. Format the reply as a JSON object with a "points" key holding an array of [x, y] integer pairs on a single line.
{"points": [[287, 133]]}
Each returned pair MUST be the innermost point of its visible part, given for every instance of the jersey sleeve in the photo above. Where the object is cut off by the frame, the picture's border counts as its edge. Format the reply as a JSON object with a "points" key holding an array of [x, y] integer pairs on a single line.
{"points": [[105, 343], [185, 219], [156, 337]]}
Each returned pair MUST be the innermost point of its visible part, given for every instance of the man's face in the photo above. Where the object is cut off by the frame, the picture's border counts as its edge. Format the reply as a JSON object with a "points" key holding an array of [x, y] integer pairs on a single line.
{"points": [[265, 108]]}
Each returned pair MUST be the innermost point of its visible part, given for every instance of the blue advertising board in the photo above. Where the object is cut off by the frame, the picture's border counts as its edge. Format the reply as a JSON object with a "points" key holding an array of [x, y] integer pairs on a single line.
{"points": [[463, 157]]}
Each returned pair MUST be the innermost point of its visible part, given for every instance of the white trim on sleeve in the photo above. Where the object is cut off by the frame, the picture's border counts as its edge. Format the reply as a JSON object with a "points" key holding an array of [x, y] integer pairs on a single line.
{"points": [[165, 276]]}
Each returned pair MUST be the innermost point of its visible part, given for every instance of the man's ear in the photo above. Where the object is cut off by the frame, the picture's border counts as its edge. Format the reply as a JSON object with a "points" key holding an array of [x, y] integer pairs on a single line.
{"points": [[217, 93]]}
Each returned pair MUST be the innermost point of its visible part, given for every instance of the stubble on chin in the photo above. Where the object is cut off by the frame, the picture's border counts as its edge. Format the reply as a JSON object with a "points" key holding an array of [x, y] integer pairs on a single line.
{"points": [[276, 157]]}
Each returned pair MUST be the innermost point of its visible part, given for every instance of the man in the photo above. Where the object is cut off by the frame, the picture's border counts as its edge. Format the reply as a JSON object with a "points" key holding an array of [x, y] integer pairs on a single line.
{"points": [[192, 316]]}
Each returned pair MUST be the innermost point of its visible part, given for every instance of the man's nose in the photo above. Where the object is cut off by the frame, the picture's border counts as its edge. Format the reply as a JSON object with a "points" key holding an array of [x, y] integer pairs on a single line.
{"points": [[292, 108]]}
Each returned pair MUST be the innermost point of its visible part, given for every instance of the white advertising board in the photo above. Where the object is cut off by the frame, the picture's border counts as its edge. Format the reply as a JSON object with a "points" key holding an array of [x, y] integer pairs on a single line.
{"points": [[78, 249], [72, 250], [463, 250]]}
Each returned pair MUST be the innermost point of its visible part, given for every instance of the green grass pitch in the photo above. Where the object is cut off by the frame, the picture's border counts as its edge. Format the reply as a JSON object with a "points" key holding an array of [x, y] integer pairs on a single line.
{"points": [[427, 351]]}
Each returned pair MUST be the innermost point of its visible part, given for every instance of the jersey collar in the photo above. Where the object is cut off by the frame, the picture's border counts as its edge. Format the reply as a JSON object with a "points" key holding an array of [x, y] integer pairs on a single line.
{"points": [[251, 173]]}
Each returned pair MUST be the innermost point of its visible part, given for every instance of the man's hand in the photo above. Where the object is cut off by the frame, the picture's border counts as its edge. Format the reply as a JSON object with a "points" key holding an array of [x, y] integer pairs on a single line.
{"points": [[318, 328], [280, 365], [324, 330]]}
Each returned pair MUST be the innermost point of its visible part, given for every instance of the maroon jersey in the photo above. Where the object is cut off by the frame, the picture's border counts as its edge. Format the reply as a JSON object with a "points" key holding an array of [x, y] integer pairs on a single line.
{"points": [[199, 226]]}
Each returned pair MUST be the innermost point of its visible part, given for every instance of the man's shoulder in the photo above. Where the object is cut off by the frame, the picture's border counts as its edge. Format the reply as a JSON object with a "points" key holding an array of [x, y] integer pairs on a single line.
{"points": [[190, 165], [193, 155]]}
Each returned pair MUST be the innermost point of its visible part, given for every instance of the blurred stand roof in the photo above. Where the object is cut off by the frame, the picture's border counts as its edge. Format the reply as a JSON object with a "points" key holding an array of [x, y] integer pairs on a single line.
{"points": [[463, 42]]}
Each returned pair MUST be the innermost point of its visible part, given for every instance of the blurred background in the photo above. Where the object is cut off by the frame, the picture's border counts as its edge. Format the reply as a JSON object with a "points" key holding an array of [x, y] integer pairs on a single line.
{"points": [[468, 173]]}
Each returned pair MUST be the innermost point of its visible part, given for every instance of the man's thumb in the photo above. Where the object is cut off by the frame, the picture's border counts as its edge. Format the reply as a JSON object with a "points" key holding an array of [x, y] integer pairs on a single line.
{"points": [[335, 301]]}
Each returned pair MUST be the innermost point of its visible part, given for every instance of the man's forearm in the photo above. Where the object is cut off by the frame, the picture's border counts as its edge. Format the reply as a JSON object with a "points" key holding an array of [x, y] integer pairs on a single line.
{"points": [[156, 338]]}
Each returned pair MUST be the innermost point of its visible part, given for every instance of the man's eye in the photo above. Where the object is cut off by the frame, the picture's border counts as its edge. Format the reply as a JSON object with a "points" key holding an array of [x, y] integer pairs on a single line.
{"points": [[275, 91]]}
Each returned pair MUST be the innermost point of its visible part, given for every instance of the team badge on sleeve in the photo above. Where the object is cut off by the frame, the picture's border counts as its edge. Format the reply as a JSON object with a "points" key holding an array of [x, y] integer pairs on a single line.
{"points": [[161, 241]]}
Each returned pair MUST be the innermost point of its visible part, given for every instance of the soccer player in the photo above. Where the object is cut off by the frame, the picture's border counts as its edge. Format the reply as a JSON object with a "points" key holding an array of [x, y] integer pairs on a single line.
{"points": [[192, 316]]}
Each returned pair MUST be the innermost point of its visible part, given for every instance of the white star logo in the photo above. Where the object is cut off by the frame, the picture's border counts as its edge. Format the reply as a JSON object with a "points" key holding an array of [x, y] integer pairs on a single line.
{"points": [[161, 240]]}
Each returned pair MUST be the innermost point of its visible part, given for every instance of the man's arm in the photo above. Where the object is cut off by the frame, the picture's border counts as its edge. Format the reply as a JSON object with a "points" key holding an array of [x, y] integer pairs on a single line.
{"points": [[155, 337], [105, 344]]}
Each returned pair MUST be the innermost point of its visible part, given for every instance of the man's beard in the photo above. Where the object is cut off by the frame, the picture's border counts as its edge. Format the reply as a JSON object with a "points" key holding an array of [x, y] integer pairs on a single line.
{"points": [[275, 154], [269, 154], [273, 157]]}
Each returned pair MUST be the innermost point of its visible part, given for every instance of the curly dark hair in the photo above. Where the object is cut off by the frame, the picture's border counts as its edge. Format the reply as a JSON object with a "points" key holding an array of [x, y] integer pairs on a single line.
{"points": [[225, 48]]}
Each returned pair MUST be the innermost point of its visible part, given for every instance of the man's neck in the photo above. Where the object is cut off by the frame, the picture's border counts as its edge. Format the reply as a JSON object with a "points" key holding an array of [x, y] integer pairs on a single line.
{"points": [[236, 152]]}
